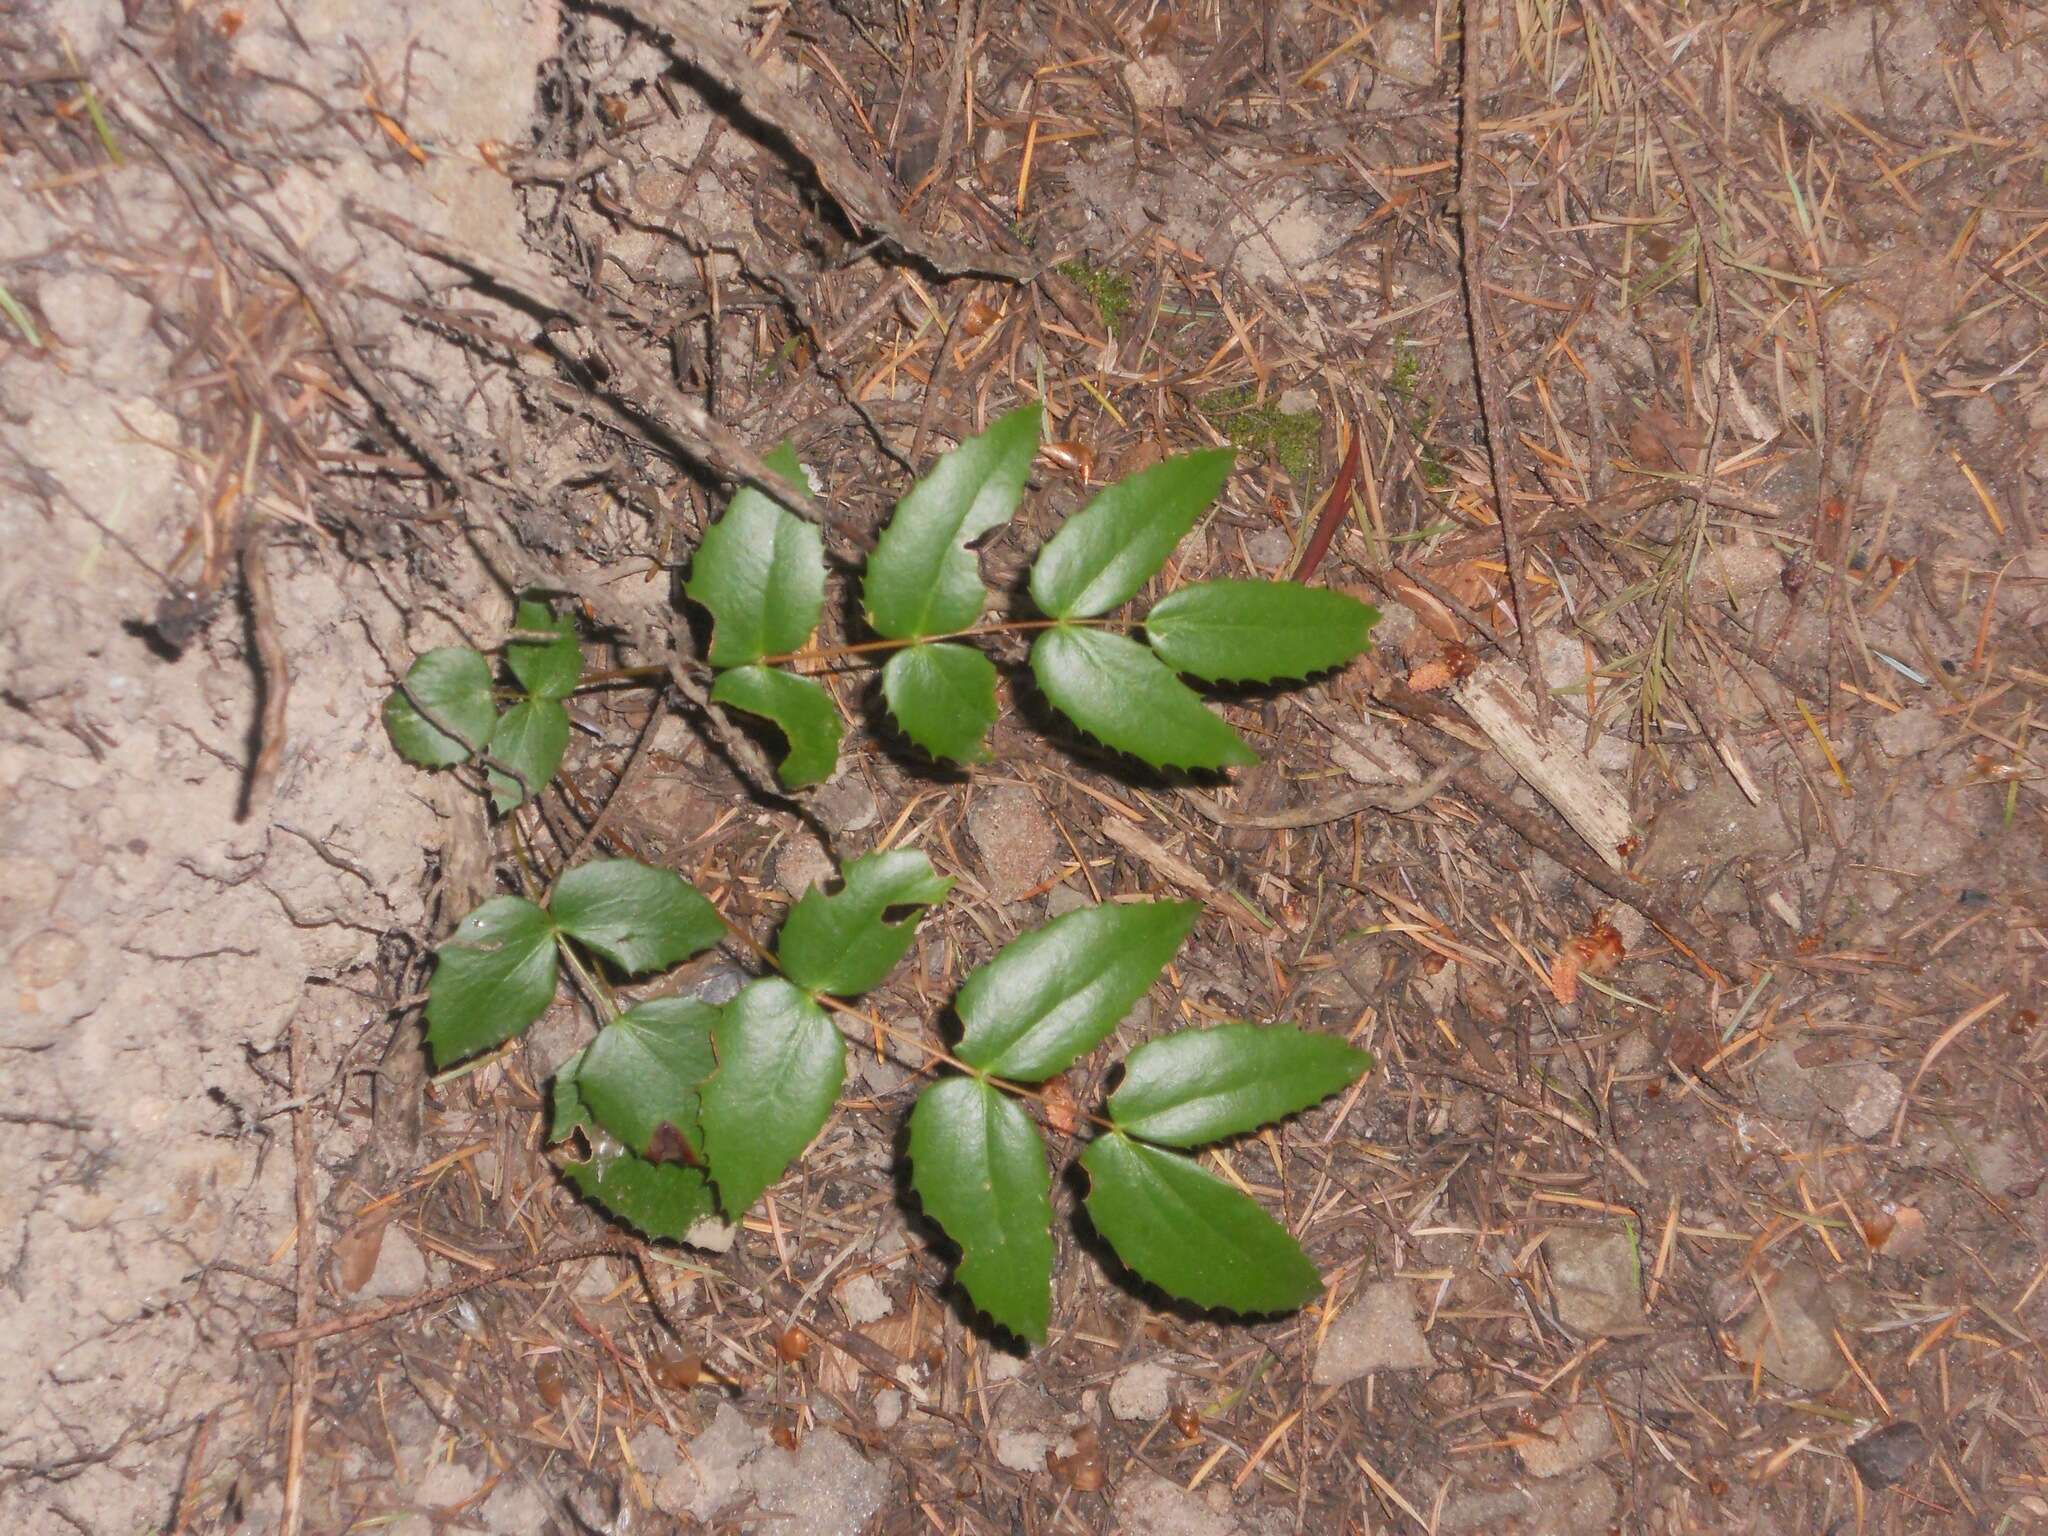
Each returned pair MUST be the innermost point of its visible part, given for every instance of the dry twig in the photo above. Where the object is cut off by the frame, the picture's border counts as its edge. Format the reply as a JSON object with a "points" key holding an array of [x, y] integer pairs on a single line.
{"points": [[276, 680], [1395, 799]]}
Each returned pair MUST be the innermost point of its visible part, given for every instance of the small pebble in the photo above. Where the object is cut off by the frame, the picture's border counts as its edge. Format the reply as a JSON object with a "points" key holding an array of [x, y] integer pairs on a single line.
{"points": [[1886, 1455], [888, 1409], [1143, 1392], [1576, 1438]]}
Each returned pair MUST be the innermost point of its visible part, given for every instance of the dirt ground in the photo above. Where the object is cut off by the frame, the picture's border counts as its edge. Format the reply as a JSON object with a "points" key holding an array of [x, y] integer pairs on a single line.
{"points": [[1700, 1184]]}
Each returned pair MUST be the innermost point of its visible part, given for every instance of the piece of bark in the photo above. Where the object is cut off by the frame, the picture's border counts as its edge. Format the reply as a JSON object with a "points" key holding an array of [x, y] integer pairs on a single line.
{"points": [[1562, 775]]}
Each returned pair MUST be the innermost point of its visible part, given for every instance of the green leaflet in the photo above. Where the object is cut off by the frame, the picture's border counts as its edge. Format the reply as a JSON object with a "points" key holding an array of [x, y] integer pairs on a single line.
{"points": [[839, 943], [1119, 693], [546, 669], [1255, 631], [639, 918], [567, 1113], [454, 685], [800, 708], [1201, 1085], [978, 1165], [662, 1200], [1190, 1233], [780, 1064], [531, 737], [640, 1077], [944, 698], [922, 580], [760, 571], [1051, 995], [492, 978], [1112, 546]]}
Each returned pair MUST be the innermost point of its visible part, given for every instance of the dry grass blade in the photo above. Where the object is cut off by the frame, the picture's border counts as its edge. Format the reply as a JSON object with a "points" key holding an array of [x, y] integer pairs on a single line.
{"points": [[1485, 365]]}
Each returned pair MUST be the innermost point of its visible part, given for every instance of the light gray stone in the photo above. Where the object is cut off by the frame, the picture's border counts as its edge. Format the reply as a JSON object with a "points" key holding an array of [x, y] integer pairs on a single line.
{"points": [[401, 1268], [889, 1407], [1143, 1392], [1155, 83], [1014, 837], [1377, 1332], [864, 1300], [1791, 1332], [1862, 1093], [1146, 1502], [1576, 1438], [1597, 1280]]}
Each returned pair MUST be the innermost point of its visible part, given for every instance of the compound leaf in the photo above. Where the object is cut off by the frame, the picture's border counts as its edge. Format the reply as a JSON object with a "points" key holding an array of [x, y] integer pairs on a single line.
{"points": [[840, 943], [639, 918], [546, 669], [760, 570], [944, 698], [1255, 631], [641, 1076], [800, 709], [1051, 995], [1119, 693], [1191, 1234], [662, 1200], [1204, 1084], [1112, 546], [453, 684], [531, 736], [492, 978], [922, 579], [977, 1163], [780, 1064]]}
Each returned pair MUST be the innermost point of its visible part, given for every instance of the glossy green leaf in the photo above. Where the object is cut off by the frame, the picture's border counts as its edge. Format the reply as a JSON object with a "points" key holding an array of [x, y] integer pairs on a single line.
{"points": [[944, 698], [639, 918], [641, 1076], [1190, 1233], [801, 709], [1255, 631], [1204, 1084], [661, 1200], [780, 1064], [1119, 693], [1051, 995], [977, 1163], [922, 579], [453, 684], [567, 1113], [760, 570], [1112, 546], [530, 737], [839, 943], [492, 978], [546, 669]]}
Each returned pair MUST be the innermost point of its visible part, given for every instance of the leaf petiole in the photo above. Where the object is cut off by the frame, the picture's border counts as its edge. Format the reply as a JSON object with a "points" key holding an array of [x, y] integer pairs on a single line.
{"points": [[978, 632]]}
